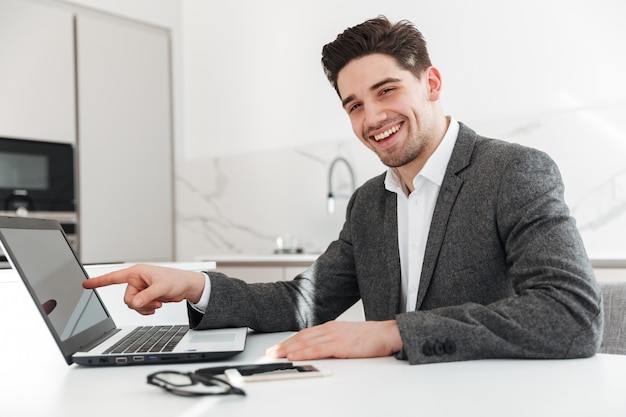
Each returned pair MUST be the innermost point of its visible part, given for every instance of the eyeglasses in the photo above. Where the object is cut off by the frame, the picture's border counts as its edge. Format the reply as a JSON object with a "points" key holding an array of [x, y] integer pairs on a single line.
{"points": [[190, 384]]}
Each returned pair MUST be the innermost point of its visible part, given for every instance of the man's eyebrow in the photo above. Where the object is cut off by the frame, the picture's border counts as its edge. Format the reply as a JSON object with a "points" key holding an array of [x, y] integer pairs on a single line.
{"points": [[347, 100], [383, 82], [374, 87]]}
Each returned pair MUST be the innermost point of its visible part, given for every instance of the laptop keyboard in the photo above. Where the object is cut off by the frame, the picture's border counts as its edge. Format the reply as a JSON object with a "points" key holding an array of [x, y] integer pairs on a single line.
{"points": [[145, 339]]}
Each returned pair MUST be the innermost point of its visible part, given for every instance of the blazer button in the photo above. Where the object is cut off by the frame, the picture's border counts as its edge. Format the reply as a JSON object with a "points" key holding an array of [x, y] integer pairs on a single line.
{"points": [[439, 349], [449, 347], [427, 349]]}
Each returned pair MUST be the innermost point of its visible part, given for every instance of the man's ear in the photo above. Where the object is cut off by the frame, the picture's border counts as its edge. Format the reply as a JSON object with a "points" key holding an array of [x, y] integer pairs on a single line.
{"points": [[434, 83]]}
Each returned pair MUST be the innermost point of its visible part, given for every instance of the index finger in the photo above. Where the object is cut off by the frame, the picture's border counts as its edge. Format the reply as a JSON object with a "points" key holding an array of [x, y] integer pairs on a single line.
{"points": [[115, 277]]}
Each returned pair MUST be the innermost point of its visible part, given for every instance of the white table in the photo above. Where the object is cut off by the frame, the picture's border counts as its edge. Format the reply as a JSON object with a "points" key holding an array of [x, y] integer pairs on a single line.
{"points": [[41, 384]]}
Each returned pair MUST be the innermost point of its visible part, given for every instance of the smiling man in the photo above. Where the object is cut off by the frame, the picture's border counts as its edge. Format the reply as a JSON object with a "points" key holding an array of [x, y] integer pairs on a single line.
{"points": [[463, 249]]}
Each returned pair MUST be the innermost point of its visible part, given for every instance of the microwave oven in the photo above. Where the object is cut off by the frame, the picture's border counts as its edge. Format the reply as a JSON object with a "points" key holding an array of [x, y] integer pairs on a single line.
{"points": [[36, 176]]}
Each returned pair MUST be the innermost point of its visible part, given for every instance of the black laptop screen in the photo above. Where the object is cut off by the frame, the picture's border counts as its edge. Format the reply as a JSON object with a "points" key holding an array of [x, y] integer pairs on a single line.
{"points": [[54, 276]]}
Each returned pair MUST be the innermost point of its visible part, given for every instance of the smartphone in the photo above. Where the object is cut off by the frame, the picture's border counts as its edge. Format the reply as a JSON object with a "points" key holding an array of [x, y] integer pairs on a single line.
{"points": [[271, 372]]}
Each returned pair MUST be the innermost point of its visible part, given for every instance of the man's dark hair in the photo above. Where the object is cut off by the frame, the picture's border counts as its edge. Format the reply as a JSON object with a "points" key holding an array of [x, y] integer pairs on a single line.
{"points": [[401, 41]]}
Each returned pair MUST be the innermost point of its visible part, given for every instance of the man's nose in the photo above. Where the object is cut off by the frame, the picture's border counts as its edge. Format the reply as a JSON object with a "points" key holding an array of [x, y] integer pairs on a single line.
{"points": [[375, 115]]}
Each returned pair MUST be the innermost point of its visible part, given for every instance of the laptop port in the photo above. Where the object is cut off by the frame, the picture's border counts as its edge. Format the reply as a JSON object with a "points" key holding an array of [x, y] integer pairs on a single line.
{"points": [[121, 360], [137, 358]]}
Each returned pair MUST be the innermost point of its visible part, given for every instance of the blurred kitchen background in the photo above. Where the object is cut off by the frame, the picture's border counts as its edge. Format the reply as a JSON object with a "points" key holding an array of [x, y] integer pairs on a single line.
{"points": [[206, 129]]}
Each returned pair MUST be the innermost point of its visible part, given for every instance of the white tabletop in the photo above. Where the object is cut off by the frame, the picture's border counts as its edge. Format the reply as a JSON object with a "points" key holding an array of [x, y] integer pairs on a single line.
{"points": [[35, 381]]}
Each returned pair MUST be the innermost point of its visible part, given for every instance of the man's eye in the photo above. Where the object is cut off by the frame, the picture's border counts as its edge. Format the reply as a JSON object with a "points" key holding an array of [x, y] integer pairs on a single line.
{"points": [[386, 91], [353, 107]]}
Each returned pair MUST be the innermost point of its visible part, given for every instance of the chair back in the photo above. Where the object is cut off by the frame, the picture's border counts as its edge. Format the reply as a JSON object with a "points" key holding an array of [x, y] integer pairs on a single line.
{"points": [[614, 339]]}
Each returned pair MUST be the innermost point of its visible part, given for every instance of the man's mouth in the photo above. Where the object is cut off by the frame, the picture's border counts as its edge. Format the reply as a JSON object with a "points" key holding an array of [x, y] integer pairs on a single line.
{"points": [[387, 133]]}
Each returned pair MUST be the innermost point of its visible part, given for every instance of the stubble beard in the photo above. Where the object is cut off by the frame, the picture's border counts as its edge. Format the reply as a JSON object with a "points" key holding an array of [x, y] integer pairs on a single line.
{"points": [[409, 152]]}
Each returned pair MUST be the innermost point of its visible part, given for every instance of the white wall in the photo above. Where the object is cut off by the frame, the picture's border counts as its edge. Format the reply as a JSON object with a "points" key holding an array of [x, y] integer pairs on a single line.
{"points": [[547, 73], [32, 38], [254, 80], [249, 89]]}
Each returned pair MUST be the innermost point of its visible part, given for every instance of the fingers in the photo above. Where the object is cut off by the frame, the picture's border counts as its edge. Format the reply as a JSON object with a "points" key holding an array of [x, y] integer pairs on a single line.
{"points": [[148, 287], [116, 277], [144, 298], [340, 340], [140, 292], [307, 353], [313, 343], [147, 309]]}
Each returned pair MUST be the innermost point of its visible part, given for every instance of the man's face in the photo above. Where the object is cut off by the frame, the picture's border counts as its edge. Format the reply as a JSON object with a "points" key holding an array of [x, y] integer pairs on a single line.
{"points": [[391, 111]]}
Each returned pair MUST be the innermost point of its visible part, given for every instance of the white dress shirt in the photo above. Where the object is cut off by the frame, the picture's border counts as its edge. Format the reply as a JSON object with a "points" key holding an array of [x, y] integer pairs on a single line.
{"points": [[203, 303], [415, 213]]}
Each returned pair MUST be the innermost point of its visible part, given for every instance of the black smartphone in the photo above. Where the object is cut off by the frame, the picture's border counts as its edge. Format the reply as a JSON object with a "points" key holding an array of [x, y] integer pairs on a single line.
{"points": [[271, 372]]}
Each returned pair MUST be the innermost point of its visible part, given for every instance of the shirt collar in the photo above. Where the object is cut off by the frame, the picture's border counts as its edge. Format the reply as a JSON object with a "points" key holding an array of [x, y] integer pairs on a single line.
{"points": [[435, 168]]}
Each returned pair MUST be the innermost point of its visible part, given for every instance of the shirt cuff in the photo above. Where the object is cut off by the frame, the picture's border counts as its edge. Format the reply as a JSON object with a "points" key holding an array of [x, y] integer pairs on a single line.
{"points": [[202, 304]]}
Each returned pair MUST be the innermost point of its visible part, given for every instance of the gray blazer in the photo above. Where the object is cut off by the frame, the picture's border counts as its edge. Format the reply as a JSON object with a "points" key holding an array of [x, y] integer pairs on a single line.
{"points": [[505, 273]]}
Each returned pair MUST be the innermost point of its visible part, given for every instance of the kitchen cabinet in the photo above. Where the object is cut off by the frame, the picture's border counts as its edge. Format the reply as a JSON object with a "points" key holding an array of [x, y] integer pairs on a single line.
{"points": [[36, 72], [124, 142], [71, 74]]}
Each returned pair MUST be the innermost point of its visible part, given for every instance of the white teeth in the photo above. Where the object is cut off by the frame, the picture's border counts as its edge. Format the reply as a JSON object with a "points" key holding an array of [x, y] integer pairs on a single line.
{"points": [[386, 133]]}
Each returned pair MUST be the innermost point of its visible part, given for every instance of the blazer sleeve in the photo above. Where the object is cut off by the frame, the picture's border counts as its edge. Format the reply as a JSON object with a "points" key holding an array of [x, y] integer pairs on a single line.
{"points": [[554, 309], [318, 294]]}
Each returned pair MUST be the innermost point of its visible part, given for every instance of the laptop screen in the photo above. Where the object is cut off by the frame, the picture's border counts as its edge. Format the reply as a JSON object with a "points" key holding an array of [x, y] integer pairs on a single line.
{"points": [[44, 259], [55, 278]]}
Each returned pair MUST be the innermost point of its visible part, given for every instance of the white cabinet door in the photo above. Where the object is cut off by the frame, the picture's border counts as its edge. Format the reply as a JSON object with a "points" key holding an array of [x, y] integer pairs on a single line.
{"points": [[124, 141], [36, 72]]}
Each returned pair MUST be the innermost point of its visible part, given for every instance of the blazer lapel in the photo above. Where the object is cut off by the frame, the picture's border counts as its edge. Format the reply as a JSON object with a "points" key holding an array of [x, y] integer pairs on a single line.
{"points": [[450, 188]]}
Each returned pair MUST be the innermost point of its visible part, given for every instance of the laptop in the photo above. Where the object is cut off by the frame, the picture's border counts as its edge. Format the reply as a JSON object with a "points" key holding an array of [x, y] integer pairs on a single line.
{"points": [[78, 319]]}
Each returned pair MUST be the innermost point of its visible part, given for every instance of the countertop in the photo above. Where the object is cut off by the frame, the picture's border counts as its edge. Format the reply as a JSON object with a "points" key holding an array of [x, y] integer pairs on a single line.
{"points": [[296, 259]]}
